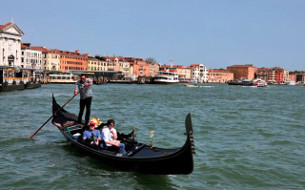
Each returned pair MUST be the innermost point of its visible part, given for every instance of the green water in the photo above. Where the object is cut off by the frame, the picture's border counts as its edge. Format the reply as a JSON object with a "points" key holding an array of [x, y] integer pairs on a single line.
{"points": [[245, 137]]}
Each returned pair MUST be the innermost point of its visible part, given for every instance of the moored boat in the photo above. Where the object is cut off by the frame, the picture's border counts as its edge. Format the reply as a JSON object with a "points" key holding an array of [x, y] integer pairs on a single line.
{"points": [[6, 87], [32, 85], [260, 83], [62, 78], [241, 82], [166, 77], [291, 83], [16, 78], [140, 157]]}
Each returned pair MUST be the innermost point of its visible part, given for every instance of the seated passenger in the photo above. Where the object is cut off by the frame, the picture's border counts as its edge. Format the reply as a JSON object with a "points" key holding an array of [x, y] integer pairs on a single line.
{"points": [[92, 135], [110, 137]]}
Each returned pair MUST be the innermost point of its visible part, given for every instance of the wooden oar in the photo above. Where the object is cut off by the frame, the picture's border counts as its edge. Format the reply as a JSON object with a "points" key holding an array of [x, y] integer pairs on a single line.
{"points": [[52, 116]]}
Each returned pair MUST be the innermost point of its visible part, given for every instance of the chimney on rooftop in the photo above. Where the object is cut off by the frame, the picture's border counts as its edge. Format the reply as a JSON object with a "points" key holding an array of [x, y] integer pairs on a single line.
{"points": [[27, 44]]}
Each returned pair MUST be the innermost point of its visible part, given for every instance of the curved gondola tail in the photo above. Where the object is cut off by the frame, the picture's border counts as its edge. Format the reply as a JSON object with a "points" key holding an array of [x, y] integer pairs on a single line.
{"points": [[189, 131]]}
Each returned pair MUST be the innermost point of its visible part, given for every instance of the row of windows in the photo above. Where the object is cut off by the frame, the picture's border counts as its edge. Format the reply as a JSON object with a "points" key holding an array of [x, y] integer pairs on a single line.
{"points": [[97, 69], [51, 56], [95, 63], [30, 60], [73, 57], [60, 77], [31, 54], [72, 63], [165, 78], [72, 68]]}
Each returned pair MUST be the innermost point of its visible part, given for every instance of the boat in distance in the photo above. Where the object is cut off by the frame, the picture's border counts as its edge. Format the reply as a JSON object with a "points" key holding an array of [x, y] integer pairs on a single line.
{"points": [[291, 83], [166, 77], [244, 82], [191, 85], [62, 78], [140, 157], [260, 83]]}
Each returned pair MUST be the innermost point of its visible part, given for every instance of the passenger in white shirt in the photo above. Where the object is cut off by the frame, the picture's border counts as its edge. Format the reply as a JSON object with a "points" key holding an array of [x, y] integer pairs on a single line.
{"points": [[110, 137]]}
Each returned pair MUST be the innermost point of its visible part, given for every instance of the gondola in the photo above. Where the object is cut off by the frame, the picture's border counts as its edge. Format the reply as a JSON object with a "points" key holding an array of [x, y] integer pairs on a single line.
{"points": [[140, 157]]}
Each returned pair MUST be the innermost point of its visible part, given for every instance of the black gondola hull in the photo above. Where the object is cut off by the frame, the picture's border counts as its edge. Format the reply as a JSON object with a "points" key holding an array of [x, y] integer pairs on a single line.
{"points": [[145, 159]]}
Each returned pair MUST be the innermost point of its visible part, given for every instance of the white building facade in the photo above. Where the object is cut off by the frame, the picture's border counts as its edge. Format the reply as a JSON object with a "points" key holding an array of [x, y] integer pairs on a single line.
{"points": [[10, 45], [125, 68], [199, 73], [30, 58]]}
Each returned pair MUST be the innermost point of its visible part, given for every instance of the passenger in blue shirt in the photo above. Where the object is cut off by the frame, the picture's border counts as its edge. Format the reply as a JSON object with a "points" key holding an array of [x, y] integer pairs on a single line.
{"points": [[92, 134]]}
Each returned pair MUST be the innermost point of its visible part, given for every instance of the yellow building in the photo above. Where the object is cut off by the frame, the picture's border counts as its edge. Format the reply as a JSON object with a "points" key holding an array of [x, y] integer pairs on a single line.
{"points": [[50, 58], [184, 72], [95, 64], [220, 76]]}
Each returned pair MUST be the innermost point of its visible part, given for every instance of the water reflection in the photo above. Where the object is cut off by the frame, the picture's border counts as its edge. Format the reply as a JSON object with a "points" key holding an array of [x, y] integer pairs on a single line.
{"points": [[105, 174], [153, 182]]}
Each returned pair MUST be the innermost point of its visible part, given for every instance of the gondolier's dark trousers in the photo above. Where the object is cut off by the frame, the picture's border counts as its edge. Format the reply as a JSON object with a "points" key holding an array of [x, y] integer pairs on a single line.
{"points": [[82, 103]]}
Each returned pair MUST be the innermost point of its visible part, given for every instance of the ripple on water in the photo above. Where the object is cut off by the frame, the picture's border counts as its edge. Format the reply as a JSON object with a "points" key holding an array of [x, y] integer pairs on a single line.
{"points": [[245, 138]]}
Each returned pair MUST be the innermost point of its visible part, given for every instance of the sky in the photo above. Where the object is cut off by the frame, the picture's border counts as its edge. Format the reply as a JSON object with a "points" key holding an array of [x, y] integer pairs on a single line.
{"points": [[264, 33]]}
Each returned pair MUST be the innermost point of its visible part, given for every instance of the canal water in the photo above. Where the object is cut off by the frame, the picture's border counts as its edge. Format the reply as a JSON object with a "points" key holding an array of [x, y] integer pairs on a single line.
{"points": [[245, 137]]}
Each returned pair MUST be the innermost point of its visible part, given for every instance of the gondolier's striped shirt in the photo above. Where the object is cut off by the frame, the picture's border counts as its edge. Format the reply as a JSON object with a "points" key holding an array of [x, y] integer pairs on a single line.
{"points": [[84, 92]]}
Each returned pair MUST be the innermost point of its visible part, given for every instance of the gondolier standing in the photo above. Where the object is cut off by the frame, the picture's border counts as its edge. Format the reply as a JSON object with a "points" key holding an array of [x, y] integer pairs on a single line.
{"points": [[83, 86]]}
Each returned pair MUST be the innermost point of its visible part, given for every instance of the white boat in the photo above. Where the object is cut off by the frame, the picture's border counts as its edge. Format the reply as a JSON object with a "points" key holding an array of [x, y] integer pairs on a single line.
{"points": [[62, 78], [290, 83], [260, 83], [165, 77]]}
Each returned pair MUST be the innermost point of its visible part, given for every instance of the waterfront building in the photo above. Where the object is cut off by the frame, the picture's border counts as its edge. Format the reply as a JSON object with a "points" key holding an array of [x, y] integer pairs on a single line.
{"points": [[50, 58], [116, 64], [265, 74], [153, 69], [140, 68], [199, 72], [110, 63], [243, 71], [220, 76], [279, 75], [104, 65], [299, 77], [12, 73], [293, 76], [285, 75], [94, 64], [120, 64], [124, 67], [73, 61], [10, 45], [30, 57], [184, 73], [273, 75], [169, 68]]}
